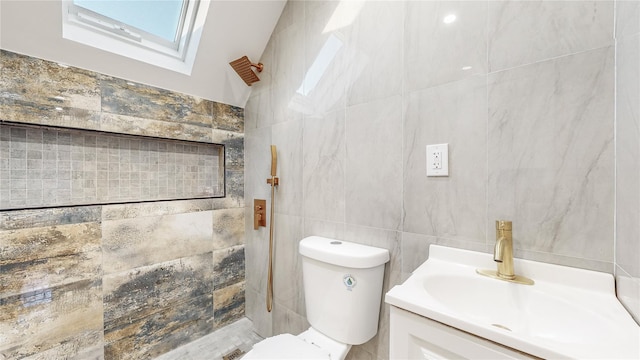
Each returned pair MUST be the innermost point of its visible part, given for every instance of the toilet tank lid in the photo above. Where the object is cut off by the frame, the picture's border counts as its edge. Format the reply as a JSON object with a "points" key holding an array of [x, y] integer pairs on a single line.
{"points": [[343, 253]]}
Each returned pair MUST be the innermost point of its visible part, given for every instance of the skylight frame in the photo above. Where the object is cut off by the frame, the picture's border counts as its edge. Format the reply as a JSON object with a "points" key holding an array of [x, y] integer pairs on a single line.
{"points": [[92, 21], [106, 23], [181, 60]]}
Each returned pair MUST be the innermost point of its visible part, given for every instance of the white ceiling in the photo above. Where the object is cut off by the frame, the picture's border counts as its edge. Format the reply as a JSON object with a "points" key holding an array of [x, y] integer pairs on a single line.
{"points": [[233, 28]]}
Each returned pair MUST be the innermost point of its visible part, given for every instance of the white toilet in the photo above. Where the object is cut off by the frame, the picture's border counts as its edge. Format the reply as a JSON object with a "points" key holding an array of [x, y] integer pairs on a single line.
{"points": [[343, 290]]}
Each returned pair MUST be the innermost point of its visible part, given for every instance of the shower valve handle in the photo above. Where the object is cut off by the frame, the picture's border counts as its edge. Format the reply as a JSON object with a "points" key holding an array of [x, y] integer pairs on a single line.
{"points": [[259, 218], [274, 181]]}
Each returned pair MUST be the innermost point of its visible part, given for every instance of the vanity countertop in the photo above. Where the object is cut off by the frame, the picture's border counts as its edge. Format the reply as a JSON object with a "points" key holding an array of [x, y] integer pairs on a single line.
{"points": [[567, 313]]}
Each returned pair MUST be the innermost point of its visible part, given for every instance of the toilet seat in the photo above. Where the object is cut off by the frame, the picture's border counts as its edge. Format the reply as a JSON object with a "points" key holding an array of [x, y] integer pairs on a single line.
{"points": [[286, 346]]}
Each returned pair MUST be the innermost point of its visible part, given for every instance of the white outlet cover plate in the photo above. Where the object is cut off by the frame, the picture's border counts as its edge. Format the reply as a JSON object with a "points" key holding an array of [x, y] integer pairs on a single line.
{"points": [[432, 161]]}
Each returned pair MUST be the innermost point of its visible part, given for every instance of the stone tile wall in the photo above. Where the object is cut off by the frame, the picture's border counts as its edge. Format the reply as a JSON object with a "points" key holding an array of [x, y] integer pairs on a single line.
{"points": [[51, 290], [119, 281]]}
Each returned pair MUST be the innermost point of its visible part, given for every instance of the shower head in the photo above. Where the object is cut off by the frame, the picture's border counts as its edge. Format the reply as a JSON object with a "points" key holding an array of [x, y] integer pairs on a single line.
{"points": [[243, 67], [274, 160]]}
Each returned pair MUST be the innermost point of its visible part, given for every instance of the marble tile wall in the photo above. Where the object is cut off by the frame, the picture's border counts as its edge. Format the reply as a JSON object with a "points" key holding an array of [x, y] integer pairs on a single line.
{"points": [[627, 154], [118, 281], [523, 93]]}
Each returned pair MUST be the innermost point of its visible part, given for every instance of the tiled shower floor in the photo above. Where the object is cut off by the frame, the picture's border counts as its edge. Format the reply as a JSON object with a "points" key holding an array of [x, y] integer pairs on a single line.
{"points": [[215, 345]]}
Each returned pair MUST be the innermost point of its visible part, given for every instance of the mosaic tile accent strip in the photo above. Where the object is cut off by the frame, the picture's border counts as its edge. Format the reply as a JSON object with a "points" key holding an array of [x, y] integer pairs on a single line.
{"points": [[47, 167]]}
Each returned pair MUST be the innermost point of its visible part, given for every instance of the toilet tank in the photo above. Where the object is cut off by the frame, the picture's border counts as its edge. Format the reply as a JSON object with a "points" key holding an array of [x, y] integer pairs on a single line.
{"points": [[343, 287]]}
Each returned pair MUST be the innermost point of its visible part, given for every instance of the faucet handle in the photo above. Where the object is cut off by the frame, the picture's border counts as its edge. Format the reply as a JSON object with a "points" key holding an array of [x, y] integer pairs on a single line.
{"points": [[503, 225]]}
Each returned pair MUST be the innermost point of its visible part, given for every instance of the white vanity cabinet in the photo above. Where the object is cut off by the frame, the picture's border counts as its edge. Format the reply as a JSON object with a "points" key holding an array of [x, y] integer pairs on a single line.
{"points": [[415, 337], [446, 310]]}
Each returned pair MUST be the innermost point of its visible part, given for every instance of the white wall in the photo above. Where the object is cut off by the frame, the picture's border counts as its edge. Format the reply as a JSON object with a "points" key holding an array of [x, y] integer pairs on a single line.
{"points": [[530, 127], [232, 29]]}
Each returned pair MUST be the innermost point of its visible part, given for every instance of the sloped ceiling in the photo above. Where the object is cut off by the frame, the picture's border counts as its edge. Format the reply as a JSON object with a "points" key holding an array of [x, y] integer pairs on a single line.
{"points": [[232, 29]]}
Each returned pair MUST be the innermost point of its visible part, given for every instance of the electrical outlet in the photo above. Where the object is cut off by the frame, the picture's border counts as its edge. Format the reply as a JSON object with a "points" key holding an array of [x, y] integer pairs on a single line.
{"points": [[438, 160]]}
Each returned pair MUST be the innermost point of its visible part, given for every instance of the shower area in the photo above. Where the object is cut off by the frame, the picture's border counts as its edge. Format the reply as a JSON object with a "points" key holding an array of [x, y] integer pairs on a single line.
{"points": [[122, 222]]}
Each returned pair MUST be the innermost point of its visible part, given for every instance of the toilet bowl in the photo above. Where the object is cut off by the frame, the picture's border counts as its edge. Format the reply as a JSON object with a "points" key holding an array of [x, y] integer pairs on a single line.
{"points": [[343, 291]]}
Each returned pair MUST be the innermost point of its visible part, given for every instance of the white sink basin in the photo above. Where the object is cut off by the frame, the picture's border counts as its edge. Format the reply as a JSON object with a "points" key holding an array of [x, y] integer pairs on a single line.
{"points": [[567, 313]]}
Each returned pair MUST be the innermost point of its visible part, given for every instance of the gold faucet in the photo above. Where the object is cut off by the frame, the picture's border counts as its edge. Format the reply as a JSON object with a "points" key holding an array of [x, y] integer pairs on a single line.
{"points": [[503, 250], [503, 255]]}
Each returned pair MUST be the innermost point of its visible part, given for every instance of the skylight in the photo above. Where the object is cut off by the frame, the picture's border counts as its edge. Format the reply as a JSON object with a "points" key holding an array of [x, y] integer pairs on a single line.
{"points": [[159, 18], [159, 32]]}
